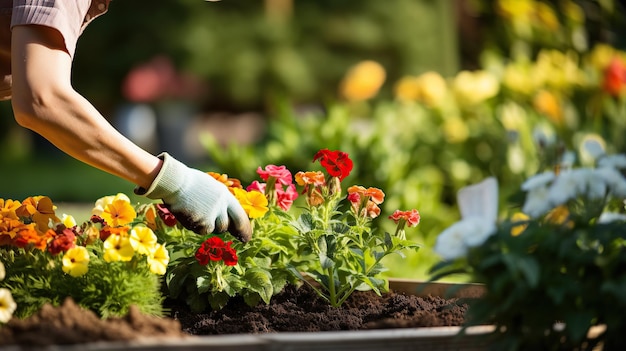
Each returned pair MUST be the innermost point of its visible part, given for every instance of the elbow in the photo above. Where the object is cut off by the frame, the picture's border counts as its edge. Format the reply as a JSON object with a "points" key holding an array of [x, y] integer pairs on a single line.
{"points": [[31, 111]]}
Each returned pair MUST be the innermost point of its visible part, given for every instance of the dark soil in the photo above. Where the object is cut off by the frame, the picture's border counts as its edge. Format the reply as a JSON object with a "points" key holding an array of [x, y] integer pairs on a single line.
{"points": [[294, 310]]}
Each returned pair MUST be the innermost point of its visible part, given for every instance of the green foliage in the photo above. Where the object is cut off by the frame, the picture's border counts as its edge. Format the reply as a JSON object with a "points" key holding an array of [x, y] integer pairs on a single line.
{"points": [[553, 275], [108, 289], [259, 274]]}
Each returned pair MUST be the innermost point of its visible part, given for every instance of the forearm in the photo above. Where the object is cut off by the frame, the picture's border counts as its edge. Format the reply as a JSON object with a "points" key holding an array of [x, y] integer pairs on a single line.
{"points": [[73, 125]]}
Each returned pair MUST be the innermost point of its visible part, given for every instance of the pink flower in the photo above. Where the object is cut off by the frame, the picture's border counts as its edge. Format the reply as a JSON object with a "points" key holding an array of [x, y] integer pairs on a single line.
{"points": [[256, 185], [285, 198], [280, 173]]}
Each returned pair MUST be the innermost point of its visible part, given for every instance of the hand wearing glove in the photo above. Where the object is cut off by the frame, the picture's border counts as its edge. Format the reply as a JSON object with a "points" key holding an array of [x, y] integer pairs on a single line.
{"points": [[199, 202]]}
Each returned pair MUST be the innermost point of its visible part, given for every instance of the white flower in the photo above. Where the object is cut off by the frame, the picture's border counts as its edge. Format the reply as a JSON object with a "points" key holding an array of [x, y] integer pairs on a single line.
{"points": [[3, 272], [594, 147], [607, 217], [565, 187], [536, 203], [455, 241], [7, 305], [613, 161], [538, 180], [614, 180], [478, 229], [450, 244], [596, 185]]}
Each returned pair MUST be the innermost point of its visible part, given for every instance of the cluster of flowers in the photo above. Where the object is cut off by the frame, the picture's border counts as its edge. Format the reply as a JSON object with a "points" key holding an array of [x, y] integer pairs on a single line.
{"points": [[559, 196], [33, 223]]}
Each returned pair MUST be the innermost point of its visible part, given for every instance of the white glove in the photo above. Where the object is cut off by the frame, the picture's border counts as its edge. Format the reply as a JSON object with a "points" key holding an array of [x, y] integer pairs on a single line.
{"points": [[199, 202]]}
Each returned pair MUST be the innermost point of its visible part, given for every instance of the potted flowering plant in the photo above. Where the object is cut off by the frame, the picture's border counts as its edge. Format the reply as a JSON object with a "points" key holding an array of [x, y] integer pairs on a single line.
{"points": [[554, 270], [106, 264], [331, 248]]}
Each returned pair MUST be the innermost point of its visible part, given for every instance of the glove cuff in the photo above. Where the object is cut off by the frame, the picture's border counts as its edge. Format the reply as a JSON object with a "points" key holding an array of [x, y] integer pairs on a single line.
{"points": [[167, 182]]}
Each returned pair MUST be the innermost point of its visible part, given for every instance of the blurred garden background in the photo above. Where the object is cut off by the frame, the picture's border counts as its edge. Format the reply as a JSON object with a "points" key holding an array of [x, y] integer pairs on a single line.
{"points": [[427, 96]]}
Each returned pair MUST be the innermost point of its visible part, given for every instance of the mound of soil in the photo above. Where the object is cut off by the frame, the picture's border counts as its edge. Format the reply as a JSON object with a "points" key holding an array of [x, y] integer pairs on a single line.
{"points": [[294, 310]]}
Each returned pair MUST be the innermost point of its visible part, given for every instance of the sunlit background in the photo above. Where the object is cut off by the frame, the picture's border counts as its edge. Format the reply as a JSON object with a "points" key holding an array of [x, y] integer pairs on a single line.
{"points": [[426, 96]]}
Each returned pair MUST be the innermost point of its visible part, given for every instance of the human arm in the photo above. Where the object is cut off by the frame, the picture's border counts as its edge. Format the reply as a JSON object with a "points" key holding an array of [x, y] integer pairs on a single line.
{"points": [[45, 102]]}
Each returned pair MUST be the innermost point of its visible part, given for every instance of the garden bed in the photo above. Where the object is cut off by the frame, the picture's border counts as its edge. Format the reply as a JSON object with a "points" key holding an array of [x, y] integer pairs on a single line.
{"points": [[411, 314]]}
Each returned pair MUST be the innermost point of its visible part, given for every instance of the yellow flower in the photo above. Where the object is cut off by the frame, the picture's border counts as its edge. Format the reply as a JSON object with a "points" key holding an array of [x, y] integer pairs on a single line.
{"points": [[68, 221], [472, 88], [548, 104], [118, 213], [407, 89], [363, 81], [7, 305], [102, 203], [519, 217], [3, 272], [433, 88], [40, 210], [455, 130], [560, 215], [158, 259], [143, 240], [8, 208], [118, 248], [253, 202], [75, 261]]}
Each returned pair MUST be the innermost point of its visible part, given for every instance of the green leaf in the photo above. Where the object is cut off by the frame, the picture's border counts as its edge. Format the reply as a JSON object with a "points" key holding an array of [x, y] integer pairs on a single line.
{"points": [[325, 261], [260, 281]]}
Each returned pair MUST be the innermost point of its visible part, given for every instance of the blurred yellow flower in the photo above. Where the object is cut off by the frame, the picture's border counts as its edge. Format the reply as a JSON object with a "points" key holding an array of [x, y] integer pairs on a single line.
{"points": [[546, 16], [76, 261], [253, 202], [8, 208], [472, 88], [158, 259], [143, 240], [7, 305], [455, 130], [520, 78], [362, 81], [549, 105], [118, 248], [407, 89], [560, 215], [519, 217], [118, 213], [433, 88], [3, 271]]}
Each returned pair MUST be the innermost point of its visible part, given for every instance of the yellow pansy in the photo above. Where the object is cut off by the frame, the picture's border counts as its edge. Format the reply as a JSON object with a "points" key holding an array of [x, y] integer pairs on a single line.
{"points": [[143, 240], [76, 261], [118, 213], [68, 221], [158, 259], [118, 248], [253, 202]]}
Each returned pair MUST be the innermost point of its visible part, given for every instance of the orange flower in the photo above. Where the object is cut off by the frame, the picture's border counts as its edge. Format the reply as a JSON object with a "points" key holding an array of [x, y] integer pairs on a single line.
{"points": [[374, 194], [363, 81], [231, 183], [548, 104], [8, 208], [310, 178], [40, 210]]}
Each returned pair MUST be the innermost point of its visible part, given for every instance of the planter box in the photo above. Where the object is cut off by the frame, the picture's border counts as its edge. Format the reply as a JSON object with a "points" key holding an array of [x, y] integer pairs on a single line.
{"points": [[435, 339]]}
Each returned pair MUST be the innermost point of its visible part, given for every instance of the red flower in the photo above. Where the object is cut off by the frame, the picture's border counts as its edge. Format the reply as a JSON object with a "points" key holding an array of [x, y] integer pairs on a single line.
{"points": [[229, 255], [615, 77], [215, 249], [62, 242], [411, 217], [166, 215], [337, 163]]}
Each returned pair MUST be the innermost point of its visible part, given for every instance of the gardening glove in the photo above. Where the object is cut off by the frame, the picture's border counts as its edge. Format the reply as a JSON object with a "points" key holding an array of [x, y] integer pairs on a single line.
{"points": [[197, 200]]}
